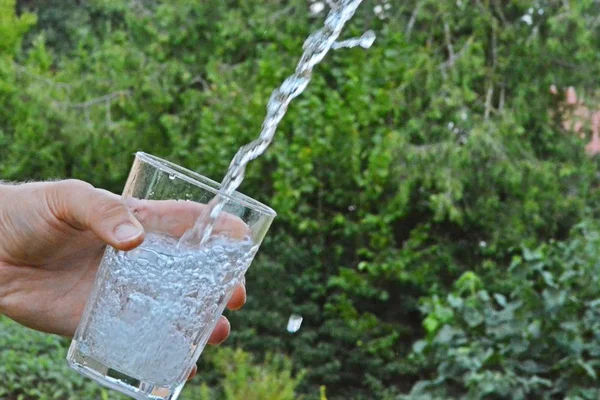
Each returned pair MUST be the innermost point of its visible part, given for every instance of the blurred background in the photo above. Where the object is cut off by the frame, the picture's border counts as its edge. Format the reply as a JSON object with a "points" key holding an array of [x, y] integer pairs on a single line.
{"points": [[437, 194]]}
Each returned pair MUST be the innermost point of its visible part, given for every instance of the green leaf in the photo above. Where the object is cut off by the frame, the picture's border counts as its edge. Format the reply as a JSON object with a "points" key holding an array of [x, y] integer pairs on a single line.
{"points": [[589, 370]]}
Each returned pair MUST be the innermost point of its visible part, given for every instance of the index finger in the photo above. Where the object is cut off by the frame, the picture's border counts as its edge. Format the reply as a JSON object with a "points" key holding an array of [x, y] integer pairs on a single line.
{"points": [[175, 217]]}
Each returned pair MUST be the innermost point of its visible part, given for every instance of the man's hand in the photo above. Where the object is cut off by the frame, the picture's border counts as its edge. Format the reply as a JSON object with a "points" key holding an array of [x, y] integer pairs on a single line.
{"points": [[52, 237]]}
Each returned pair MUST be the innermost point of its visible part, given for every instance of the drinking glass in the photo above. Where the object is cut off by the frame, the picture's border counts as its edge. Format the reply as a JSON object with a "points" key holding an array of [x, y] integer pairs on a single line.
{"points": [[151, 310]]}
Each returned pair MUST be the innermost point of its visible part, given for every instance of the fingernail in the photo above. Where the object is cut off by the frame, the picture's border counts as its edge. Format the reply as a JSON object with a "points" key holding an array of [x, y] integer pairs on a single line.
{"points": [[127, 232]]}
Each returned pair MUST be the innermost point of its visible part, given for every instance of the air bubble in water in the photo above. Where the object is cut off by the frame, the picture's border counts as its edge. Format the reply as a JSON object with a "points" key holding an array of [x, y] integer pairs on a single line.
{"points": [[294, 323], [155, 302]]}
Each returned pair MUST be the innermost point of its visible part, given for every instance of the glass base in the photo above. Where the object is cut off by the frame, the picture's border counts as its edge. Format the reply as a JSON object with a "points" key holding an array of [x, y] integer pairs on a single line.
{"points": [[113, 379]]}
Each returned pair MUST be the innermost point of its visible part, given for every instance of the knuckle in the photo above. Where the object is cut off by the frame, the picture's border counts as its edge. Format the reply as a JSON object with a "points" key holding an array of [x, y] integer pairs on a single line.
{"points": [[74, 184], [140, 209], [108, 208], [233, 226], [58, 195]]}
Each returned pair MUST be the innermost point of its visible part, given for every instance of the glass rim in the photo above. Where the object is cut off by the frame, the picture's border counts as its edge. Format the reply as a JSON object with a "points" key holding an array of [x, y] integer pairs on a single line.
{"points": [[208, 184]]}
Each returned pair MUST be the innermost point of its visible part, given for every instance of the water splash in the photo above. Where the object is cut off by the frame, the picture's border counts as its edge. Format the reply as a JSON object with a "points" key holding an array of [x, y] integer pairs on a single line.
{"points": [[315, 48], [365, 41], [156, 306], [294, 323]]}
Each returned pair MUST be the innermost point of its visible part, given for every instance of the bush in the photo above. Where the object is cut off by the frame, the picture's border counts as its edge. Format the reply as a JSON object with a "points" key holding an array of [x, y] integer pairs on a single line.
{"points": [[536, 336], [33, 366], [241, 379]]}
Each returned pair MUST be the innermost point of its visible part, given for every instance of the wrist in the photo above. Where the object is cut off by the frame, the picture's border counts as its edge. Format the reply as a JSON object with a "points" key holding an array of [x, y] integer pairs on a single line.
{"points": [[4, 203], [5, 193], [7, 285], [5, 281]]}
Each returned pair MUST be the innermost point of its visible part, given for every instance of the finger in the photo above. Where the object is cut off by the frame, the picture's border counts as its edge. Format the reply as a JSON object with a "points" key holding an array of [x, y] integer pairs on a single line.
{"points": [[175, 217], [221, 331], [238, 299], [82, 206], [193, 373]]}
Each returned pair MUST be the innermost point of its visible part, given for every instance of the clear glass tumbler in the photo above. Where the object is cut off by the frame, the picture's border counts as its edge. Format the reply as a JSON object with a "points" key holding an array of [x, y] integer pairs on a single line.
{"points": [[151, 310]]}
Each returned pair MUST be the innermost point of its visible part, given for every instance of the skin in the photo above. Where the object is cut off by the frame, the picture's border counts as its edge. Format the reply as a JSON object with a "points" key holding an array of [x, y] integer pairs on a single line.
{"points": [[53, 235]]}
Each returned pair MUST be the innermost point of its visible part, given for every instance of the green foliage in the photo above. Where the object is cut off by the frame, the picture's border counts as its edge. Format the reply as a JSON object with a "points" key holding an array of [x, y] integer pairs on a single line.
{"points": [[241, 379], [534, 337], [33, 366], [428, 158], [12, 27]]}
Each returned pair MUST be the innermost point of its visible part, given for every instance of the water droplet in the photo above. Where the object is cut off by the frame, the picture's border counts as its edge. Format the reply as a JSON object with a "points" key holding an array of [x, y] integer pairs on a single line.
{"points": [[316, 8], [294, 323], [367, 39]]}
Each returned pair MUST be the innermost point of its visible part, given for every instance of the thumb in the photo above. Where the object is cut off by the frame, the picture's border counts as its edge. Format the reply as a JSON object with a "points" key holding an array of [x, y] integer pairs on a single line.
{"points": [[82, 206]]}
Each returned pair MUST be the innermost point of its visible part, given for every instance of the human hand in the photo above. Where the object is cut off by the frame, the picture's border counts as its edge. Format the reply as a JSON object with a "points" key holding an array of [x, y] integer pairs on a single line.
{"points": [[52, 237]]}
